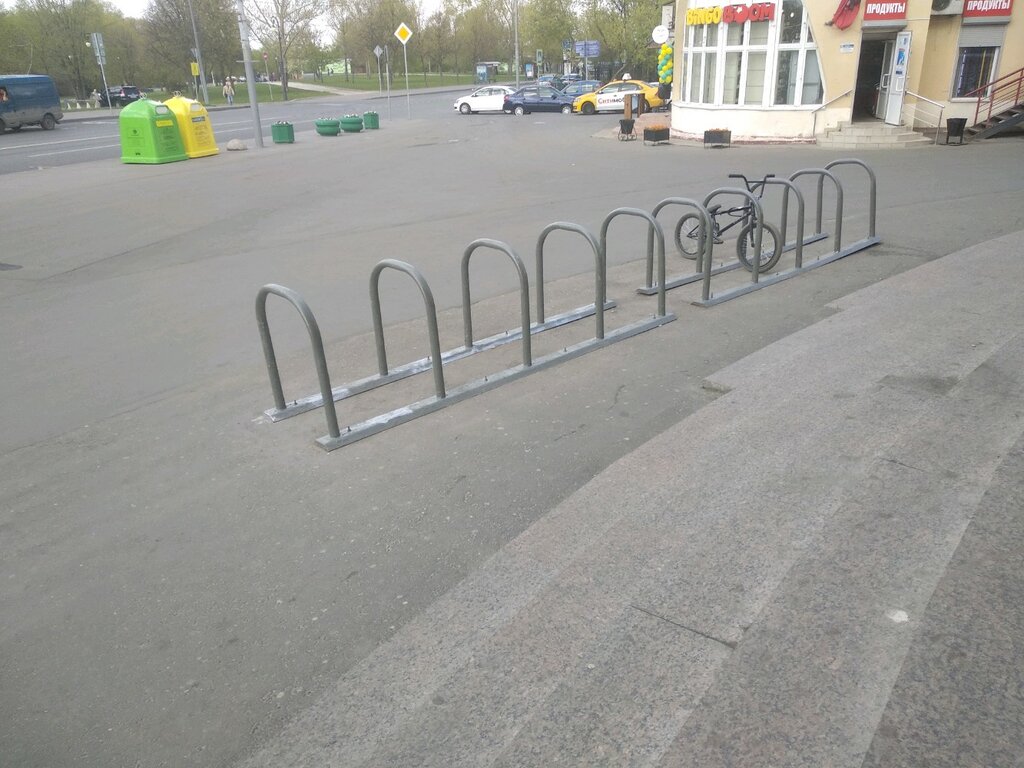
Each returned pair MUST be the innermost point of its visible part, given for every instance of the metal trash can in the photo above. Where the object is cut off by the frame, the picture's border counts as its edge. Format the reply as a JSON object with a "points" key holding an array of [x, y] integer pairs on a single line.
{"points": [[282, 133], [371, 120], [955, 128]]}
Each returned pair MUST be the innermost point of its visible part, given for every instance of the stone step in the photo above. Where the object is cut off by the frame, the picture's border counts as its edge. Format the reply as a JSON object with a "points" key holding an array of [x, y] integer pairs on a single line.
{"points": [[707, 582]]}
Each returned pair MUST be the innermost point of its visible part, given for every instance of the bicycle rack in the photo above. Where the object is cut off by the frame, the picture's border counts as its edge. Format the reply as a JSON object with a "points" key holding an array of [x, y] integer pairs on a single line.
{"points": [[350, 389], [817, 236], [316, 341], [800, 242], [601, 302], [524, 295], [336, 437], [872, 238], [654, 231], [707, 300], [705, 223]]}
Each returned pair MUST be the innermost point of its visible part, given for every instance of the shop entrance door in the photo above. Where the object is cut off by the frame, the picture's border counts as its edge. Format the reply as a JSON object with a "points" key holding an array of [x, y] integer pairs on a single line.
{"points": [[897, 81], [885, 79]]}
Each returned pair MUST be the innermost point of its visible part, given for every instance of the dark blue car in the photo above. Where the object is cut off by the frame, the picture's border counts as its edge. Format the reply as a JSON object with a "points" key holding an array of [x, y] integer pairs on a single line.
{"points": [[537, 98]]}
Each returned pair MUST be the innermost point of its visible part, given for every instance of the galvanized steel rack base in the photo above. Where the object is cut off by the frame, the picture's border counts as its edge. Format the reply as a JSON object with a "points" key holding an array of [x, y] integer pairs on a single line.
{"points": [[372, 426], [352, 388]]}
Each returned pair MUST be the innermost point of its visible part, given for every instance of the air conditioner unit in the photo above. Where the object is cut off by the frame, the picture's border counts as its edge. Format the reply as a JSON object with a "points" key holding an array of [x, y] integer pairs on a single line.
{"points": [[947, 7]]}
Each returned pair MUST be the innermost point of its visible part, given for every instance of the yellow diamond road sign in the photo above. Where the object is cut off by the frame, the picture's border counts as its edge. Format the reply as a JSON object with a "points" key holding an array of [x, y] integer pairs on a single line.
{"points": [[403, 33]]}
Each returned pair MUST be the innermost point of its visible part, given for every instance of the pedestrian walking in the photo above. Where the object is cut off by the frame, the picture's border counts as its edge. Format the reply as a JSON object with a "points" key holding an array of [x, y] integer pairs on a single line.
{"points": [[229, 92]]}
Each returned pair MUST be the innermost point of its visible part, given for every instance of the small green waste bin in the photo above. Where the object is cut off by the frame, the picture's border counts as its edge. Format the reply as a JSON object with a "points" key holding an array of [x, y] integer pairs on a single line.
{"points": [[282, 133], [149, 134], [371, 120]]}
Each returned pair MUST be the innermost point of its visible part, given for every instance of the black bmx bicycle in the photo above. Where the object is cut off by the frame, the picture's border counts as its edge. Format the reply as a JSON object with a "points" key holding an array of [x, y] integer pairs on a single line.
{"points": [[690, 245]]}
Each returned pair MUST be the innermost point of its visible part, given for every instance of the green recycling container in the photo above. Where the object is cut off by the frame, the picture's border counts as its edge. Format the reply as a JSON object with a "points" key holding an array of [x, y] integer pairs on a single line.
{"points": [[149, 133], [371, 120], [282, 133]]}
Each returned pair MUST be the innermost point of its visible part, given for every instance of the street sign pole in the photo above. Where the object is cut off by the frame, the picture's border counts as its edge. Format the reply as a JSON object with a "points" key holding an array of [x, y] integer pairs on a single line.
{"points": [[387, 76], [403, 33], [377, 52]]}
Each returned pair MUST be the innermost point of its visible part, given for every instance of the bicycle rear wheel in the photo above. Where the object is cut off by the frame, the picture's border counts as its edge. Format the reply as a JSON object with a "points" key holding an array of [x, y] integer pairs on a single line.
{"points": [[688, 240], [771, 247]]}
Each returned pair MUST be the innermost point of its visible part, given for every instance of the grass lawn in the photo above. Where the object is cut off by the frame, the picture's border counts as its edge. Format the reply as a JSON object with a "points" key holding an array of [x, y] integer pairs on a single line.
{"points": [[416, 80]]}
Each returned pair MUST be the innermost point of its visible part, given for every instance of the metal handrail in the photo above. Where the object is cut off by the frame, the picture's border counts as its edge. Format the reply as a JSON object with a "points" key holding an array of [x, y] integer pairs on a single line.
{"points": [[942, 108], [814, 124], [989, 91]]}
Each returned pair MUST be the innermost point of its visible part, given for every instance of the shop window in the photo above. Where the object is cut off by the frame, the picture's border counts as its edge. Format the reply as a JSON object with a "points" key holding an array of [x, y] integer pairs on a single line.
{"points": [[813, 89], [791, 21], [754, 63], [731, 87], [786, 76], [974, 69], [754, 92], [710, 65]]}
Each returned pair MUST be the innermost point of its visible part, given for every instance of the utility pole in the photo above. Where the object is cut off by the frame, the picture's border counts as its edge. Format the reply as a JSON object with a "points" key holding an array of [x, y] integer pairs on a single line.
{"points": [[250, 74], [199, 55]]}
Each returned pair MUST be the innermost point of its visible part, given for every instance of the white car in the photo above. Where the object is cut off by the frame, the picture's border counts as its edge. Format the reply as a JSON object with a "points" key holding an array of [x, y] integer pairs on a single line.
{"points": [[490, 98]]}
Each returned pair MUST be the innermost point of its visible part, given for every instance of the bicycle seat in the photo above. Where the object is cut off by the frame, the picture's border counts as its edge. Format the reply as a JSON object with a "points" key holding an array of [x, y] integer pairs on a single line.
{"points": [[714, 208]]}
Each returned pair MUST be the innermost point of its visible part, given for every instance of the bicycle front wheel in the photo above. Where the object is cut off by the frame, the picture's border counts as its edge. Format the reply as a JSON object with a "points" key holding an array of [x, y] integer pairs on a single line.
{"points": [[688, 239], [771, 247]]}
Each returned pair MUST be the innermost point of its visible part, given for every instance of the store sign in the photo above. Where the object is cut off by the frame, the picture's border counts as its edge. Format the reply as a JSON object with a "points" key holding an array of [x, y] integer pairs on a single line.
{"points": [[730, 14], [984, 8], [885, 11]]}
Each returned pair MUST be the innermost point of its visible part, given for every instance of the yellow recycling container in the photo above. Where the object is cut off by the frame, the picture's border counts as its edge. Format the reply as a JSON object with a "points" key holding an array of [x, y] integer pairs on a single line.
{"points": [[194, 124], [149, 134]]}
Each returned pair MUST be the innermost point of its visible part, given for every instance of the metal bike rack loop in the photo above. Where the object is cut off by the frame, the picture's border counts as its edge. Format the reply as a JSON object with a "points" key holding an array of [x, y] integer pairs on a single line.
{"points": [[428, 304], [872, 238], [654, 234], [315, 340], [705, 224], [707, 300], [600, 271], [524, 294], [799, 243], [822, 174]]}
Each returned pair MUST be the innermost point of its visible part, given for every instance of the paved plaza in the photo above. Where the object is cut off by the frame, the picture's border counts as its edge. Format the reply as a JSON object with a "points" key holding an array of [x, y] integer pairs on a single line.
{"points": [[782, 531]]}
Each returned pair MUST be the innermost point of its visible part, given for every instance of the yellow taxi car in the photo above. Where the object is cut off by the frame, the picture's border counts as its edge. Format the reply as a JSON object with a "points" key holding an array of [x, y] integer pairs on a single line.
{"points": [[611, 97]]}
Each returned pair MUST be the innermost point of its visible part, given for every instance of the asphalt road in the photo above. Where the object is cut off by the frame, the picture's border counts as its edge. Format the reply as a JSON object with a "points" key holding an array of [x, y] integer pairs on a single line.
{"points": [[89, 136], [178, 577]]}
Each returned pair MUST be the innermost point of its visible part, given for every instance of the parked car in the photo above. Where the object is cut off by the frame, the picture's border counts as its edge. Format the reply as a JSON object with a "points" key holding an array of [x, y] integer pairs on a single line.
{"points": [[555, 81], [28, 100], [580, 87], [537, 98], [611, 97], [120, 96], [490, 98]]}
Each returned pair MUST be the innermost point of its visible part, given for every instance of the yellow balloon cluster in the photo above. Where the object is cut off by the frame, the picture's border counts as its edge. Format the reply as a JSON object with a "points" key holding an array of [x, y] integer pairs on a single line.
{"points": [[665, 63]]}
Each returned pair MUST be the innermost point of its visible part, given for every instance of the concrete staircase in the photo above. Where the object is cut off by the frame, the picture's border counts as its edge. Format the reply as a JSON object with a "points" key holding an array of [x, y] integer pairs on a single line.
{"points": [[744, 588], [873, 134]]}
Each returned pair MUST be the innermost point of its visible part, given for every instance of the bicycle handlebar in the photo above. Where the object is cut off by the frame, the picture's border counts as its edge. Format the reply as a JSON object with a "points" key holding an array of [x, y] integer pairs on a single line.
{"points": [[752, 185]]}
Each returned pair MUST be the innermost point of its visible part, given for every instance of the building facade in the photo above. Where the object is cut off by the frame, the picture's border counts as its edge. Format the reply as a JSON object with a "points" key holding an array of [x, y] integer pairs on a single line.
{"points": [[789, 70]]}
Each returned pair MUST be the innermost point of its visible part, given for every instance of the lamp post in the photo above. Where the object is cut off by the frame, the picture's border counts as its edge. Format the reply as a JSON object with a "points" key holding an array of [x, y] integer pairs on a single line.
{"points": [[96, 43], [515, 27]]}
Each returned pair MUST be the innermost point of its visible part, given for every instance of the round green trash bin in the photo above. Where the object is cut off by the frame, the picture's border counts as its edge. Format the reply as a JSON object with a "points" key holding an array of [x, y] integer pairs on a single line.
{"points": [[282, 133], [371, 120]]}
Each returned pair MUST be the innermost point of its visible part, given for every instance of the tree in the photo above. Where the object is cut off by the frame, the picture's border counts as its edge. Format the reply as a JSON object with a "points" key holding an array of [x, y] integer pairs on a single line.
{"points": [[544, 24], [624, 29], [168, 25], [280, 24]]}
